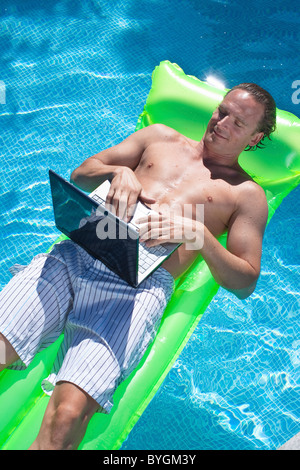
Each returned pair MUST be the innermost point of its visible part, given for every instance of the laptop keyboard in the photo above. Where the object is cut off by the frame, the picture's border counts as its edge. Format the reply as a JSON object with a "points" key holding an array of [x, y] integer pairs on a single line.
{"points": [[98, 199], [148, 255]]}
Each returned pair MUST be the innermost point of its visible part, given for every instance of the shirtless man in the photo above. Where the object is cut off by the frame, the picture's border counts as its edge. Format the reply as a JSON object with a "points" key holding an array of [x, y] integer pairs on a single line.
{"points": [[161, 167]]}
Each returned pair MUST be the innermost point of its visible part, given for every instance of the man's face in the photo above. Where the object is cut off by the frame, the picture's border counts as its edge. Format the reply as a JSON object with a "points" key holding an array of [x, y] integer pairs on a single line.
{"points": [[233, 125]]}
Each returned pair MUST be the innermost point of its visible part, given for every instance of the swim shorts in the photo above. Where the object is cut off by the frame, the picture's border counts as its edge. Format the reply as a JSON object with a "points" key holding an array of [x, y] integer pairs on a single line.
{"points": [[107, 324]]}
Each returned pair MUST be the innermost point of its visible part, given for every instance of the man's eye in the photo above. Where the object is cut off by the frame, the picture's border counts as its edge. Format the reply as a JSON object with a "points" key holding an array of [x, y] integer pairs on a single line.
{"points": [[238, 124]]}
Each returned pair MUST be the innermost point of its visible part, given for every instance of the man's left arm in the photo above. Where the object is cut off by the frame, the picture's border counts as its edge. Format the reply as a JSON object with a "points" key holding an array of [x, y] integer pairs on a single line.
{"points": [[237, 268]]}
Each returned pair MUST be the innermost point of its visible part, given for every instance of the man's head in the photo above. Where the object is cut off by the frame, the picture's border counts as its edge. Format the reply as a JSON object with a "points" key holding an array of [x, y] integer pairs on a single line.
{"points": [[267, 124], [243, 119]]}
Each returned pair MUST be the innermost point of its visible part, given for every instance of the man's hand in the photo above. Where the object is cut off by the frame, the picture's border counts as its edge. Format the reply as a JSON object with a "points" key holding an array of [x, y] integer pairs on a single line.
{"points": [[160, 228], [125, 191]]}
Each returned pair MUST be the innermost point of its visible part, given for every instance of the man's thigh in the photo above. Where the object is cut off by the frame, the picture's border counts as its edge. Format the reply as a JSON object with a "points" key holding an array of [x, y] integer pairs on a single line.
{"points": [[33, 306]]}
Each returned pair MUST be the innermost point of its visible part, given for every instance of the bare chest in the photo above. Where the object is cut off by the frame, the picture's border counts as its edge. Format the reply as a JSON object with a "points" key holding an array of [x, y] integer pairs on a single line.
{"points": [[176, 177]]}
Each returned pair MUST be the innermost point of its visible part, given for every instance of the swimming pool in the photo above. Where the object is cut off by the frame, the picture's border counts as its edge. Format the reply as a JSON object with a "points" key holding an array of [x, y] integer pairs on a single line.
{"points": [[76, 76]]}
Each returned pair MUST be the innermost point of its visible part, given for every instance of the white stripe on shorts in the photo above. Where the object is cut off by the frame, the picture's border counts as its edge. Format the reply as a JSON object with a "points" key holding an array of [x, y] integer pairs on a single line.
{"points": [[107, 324]]}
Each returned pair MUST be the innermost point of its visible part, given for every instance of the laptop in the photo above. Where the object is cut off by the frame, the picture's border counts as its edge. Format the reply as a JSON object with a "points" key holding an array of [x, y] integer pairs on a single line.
{"points": [[85, 220]]}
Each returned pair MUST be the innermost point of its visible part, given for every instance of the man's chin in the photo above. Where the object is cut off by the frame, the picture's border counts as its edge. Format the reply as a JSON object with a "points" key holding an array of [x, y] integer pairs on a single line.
{"points": [[212, 140]]}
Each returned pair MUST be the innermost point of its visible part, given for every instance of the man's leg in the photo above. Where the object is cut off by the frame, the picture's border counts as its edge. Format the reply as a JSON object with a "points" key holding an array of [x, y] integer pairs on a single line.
{"points": [[66, 418], [33, 308], [106, 334]]}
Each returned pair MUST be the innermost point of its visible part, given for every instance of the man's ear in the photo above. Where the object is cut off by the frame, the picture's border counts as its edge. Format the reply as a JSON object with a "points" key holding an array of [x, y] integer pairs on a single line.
{"points": [[256, 138]]}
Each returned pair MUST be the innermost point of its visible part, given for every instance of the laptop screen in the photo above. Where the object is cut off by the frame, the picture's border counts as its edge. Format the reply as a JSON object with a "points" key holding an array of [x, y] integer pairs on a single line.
{"points": [[92, 227]]}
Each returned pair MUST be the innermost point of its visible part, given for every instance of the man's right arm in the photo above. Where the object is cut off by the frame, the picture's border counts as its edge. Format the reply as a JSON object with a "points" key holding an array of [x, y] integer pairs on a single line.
{"points": [[96, 169], [118, 164]]}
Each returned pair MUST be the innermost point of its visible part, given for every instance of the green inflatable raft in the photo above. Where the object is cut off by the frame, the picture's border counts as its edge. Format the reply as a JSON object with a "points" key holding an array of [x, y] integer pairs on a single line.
{"points": [[185, 104]]}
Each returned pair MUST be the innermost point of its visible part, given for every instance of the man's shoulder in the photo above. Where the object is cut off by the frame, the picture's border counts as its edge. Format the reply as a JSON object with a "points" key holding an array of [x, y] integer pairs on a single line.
{"points": [[250, 188], [250, 194], [153, 134], [161, 131]]}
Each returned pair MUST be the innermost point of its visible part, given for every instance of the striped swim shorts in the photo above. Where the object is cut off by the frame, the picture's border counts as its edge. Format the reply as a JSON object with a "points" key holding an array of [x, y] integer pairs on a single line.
{"points": [[107, 324]]}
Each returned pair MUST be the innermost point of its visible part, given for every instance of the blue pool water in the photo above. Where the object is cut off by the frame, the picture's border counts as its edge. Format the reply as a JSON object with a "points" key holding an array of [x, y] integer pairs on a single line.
{"points": [[75, 76]]}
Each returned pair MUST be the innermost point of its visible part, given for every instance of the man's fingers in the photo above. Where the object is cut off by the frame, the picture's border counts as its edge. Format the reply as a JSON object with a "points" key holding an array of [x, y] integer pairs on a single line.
{"points": [[117, 203], [112, 202], [123, 203], [151, 228], [146, 199]]}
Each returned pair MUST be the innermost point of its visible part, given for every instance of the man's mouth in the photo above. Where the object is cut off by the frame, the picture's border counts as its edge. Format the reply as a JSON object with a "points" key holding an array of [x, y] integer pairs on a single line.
{"points": [[218, 134]]}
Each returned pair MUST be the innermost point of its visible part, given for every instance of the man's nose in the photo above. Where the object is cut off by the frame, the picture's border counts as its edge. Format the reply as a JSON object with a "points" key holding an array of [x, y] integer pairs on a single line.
{"points": [[224, 121]]}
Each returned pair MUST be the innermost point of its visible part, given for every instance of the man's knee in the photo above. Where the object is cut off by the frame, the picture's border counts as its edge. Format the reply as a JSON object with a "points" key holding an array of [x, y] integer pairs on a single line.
{"points": [[66, 418], [63, 426]]}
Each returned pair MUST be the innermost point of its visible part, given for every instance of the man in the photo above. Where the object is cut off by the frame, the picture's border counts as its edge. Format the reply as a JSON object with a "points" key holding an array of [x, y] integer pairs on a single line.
{"points": [[106, 323]]}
